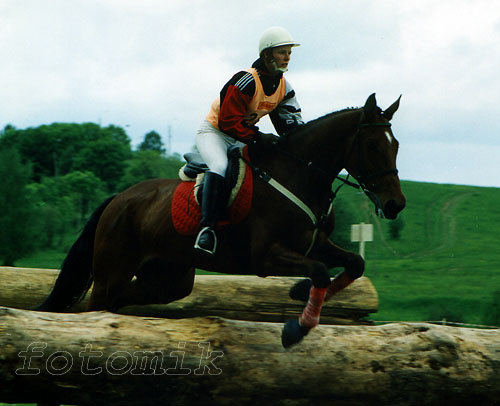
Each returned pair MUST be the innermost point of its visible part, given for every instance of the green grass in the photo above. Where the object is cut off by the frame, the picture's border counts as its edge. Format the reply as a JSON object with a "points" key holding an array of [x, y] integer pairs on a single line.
{"points": [[445, 262], [444, 265]]}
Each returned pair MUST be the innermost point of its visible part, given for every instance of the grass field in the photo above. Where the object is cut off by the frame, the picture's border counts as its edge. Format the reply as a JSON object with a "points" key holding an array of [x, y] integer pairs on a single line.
{"points": [[444, 265]]}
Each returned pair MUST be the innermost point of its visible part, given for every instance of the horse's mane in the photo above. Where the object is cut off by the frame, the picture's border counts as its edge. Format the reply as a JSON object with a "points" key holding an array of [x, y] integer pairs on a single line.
{"points": [[302, 129], [328, 115]]}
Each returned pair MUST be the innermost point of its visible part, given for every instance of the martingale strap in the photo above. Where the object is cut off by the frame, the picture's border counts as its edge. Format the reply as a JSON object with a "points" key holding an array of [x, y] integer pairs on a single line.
{"points": [[283, 190], [293, 198], [299, 203]]}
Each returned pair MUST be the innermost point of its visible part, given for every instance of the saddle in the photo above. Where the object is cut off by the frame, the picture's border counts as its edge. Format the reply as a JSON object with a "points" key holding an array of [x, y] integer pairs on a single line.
{"points": [[186, 210], [195, 168]]}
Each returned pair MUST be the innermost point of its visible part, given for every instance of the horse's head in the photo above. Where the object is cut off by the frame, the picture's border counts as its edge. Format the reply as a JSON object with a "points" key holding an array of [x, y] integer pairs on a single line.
{"points": [[372, 158]]}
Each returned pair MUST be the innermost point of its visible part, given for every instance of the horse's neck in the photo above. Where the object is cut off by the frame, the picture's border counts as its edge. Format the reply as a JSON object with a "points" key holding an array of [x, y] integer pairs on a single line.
{"points": [[311, 159], [323, 147]]}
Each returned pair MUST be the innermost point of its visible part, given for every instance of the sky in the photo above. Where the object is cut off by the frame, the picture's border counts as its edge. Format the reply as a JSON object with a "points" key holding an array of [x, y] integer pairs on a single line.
{"points": [[158, 64]]}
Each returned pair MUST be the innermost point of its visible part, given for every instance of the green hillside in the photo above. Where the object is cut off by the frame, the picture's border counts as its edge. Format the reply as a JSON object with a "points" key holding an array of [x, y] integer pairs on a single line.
{"points": [[445, 263]]}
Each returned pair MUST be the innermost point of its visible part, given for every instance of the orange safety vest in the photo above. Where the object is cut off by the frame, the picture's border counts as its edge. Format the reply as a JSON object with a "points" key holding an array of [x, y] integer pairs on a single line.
{"points": [[259, 106]]}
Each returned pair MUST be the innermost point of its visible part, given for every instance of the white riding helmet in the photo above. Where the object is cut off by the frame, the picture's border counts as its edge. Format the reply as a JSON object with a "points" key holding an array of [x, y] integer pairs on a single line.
{"points": [[275, 37]]}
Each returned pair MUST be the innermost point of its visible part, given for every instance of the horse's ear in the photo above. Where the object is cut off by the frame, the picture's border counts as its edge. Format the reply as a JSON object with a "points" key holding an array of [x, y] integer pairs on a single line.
{"points": [[389, 112], [370, 107]]}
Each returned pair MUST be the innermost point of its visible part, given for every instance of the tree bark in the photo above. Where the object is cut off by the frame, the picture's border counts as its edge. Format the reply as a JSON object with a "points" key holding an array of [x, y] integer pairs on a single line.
{"points": [[236, 297], [101, 358]]}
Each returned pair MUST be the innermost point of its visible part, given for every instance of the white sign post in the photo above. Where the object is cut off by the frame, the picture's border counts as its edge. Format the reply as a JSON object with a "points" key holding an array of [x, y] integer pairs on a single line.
{"points": [[361, 233]]}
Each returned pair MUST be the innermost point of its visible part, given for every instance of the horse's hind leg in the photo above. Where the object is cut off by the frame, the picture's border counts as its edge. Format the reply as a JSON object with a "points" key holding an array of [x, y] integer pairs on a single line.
{"points": [[112, 275], [158, 282]]}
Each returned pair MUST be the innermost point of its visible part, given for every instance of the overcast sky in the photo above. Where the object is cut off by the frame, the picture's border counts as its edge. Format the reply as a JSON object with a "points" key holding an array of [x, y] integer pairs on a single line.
{"points": [[150, 64]]}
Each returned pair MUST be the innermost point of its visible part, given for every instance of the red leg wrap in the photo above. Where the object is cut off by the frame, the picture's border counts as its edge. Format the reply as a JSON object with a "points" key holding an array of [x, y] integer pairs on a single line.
{"points": [[310, 315]]}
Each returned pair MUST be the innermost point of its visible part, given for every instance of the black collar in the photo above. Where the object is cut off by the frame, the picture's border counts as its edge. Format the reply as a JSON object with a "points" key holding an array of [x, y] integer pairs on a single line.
{"points": [[269, 82]]}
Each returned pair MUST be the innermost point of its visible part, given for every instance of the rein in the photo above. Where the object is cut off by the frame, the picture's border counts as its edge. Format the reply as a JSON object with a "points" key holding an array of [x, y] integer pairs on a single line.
{"points": [[362, 180]]}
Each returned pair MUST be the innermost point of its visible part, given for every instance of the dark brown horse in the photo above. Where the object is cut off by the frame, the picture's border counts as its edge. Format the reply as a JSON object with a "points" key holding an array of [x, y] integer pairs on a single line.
{"points": [[286, 232]]}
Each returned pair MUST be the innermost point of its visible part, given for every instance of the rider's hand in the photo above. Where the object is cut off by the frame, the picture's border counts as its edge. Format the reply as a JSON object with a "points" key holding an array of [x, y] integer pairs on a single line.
{"points": [[266, 139]]}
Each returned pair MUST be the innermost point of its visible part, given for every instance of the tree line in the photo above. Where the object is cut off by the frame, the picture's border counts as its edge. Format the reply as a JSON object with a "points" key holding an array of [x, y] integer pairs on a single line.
{"points": [[53, 176]]}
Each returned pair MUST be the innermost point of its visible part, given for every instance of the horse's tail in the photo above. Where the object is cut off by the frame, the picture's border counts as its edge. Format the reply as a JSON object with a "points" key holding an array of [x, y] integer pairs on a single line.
{"points": [[75, 278]]}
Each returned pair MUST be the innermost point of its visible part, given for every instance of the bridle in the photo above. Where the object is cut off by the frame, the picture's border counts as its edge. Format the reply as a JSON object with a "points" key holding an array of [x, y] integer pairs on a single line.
{"points": [[360, 179], [364, 178]]}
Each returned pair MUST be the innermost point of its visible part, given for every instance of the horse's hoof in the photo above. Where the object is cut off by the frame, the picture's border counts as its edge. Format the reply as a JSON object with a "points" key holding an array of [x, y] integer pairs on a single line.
{"points": [[293, 333], [300, 291]]}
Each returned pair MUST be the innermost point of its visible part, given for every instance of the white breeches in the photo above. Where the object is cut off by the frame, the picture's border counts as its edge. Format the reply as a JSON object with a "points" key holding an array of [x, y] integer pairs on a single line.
{"points": [[212, 145]]}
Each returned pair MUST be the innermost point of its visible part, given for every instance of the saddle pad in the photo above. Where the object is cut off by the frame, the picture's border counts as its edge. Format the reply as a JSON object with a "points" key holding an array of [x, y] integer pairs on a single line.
{"points": [[186, 213]]}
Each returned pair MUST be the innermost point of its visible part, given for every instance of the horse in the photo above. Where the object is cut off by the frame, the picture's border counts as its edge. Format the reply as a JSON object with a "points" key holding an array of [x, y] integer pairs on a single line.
{"points": [[132, 254]]}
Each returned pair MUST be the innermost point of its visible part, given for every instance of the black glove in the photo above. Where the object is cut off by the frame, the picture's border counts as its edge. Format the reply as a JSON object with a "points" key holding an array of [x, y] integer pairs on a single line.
{"points": [[266, 139]]}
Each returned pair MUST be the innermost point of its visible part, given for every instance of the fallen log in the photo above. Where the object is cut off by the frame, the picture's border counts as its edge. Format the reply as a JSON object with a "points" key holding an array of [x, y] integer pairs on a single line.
{"points": [[236, 297], [100, 358]]}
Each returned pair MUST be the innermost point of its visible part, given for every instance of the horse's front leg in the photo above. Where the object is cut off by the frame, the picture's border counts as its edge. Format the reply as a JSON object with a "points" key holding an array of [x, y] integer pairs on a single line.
{"points": [[332, 256], [280, 260]]}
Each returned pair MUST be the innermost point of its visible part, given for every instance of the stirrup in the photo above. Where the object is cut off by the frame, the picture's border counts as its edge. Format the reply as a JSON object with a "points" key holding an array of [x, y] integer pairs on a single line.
{"points": [[206, 230]]}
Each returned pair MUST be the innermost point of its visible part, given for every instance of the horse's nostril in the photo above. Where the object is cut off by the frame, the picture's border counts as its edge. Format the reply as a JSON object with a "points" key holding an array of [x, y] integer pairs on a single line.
{"points": [[392, 208]]}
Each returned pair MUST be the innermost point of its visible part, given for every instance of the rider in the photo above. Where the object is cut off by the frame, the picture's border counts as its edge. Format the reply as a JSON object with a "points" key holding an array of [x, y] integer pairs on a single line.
{"points": [[248, 96]]}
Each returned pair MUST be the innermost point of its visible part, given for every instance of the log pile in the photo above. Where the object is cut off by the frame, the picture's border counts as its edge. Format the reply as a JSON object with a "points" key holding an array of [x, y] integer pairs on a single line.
{"points": [[237, 297], [99, 358]]}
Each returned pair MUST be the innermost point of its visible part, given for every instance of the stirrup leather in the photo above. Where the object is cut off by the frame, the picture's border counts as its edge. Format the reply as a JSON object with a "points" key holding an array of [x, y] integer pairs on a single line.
{"points": [[206, 230]]}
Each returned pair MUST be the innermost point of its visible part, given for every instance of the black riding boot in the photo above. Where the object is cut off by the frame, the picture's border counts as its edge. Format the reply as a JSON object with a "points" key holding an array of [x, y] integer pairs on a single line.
{"points": [[213, 202]]}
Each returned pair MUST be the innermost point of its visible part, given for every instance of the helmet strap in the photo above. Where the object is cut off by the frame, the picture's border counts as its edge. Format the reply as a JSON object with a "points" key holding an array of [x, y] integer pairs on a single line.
{"points": [[275, 68]]}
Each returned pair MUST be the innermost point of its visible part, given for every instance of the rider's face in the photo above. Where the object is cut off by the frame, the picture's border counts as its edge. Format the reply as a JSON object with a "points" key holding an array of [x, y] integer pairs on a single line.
{"points": [[282, 55]]}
